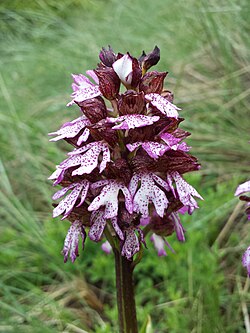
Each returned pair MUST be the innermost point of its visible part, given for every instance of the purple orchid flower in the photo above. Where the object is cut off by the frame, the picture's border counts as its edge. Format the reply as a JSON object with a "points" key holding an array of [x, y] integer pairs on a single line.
{"points": [[242, 189], [125, 172]]}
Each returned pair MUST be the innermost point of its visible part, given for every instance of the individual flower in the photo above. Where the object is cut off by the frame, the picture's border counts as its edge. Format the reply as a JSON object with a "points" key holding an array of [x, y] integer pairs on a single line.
{"points": [[150, 59], [242, 189], [109, 198], [72, 129], [246, 260], [132, 242], [83, 89], [106, 247], [123, 179], [149, 191], [70, 247], [160, 243], [128, 70], [79, 190], [183, 191]]}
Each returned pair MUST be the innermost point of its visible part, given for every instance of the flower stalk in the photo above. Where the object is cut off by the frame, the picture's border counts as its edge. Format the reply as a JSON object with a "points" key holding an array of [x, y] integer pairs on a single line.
{"points": [[125, 294]]}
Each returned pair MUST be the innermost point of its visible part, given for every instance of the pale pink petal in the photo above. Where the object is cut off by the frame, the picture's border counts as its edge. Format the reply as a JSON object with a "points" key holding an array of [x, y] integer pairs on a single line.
{"points": [[83, 137], [246, 260], [159, 244], [62, 192], [67, 204], [100, 183], [154, 149], [88, 161], [57, 175], [243, 188], [81, 80], [117, 228], [71, 129], [131, 245], [83, 89], [132, 121], [133, 185], [128, 199], [98, 224], [109, 198], [105, 158], [184, 191], [93, 75], [147, 193], [161, 182], [170, 139], [163, 105], [85, 188], [75, 231], [178, 226], [106, 247]]}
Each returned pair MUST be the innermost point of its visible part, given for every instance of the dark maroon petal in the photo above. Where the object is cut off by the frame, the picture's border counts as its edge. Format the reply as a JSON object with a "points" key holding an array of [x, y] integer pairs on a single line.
{"points": [[103, 131], [119, 170], [150, 59], [152, 82], [107, 56], [131, 102], [129, 71], [178, 161], [109, 82], [94, 109], [137, 73]]}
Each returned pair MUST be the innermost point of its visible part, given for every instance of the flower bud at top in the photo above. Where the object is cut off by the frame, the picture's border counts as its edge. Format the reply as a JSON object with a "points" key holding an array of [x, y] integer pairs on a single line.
{"points": [[152, 82], [94, 108], [131, 102], [128, 69], [107, 56], [150, 59], [109, 83]]}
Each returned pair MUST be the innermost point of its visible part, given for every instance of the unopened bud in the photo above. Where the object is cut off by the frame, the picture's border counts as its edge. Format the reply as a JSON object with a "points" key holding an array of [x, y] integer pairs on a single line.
{"points": [[109, 83], [107, 56], [94, 108], [150, 59], [152, 82]]}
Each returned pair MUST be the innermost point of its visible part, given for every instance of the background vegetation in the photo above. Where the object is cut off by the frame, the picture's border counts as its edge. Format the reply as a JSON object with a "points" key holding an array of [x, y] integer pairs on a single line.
{"points": [[204, 46]]}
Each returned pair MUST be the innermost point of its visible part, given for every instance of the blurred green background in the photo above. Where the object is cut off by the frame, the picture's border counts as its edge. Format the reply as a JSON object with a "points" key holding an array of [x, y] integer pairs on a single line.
{"points": [[205, 47]]}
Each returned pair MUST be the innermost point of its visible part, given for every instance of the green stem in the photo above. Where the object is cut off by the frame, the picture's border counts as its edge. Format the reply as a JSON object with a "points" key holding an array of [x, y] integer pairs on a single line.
{"points": [[125, 294]]}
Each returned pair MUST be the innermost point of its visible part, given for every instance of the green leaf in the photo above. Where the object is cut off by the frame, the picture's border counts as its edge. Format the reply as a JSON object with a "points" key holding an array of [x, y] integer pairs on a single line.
{"points": [[147, 326]]}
